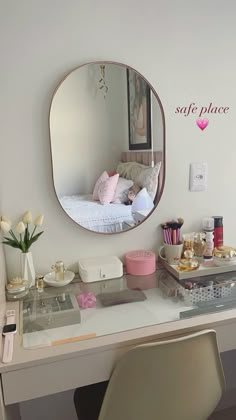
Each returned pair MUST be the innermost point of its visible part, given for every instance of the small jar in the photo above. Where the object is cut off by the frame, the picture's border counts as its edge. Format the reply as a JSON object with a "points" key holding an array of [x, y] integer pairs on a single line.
{"points": [[40, 283], [17, 288], [199, 243]]}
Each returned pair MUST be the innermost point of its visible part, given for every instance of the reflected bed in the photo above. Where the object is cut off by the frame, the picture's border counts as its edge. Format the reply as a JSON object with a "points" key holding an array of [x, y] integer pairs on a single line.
{"points": [[112, 217], [95, 216]]}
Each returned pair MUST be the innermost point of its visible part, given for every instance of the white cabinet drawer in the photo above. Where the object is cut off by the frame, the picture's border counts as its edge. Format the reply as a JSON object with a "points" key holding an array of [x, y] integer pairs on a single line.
{"points": [[70, 373]]}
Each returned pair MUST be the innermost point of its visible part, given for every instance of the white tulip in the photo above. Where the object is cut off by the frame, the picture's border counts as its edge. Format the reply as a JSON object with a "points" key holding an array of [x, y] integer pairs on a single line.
{"points": [[5, 227], [27, 218], [20, 228], [6, 219], [39, 220]]}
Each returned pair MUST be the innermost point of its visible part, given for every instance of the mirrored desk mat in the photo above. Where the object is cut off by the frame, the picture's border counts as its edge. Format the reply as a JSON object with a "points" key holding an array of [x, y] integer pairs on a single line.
{"points": [[53, 316]]}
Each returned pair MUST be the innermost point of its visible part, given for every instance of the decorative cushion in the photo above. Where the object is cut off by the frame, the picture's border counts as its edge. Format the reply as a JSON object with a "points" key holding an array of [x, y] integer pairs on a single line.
{"points": [[106, 189], [130, 170], [121, 192], [142, 201], [148, 178], [101, 179]]}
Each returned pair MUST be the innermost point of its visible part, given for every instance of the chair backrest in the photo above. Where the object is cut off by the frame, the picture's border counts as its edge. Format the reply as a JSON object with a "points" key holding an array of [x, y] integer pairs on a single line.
{"points": [[179, 379]]}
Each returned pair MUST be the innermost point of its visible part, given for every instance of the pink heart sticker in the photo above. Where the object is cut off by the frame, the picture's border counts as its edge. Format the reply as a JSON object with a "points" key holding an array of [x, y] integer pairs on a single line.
{"points": [[202, 123]]}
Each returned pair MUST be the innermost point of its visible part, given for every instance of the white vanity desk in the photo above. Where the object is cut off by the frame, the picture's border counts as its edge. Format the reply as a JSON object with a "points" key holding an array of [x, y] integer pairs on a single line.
{"points": [[37, 372]]}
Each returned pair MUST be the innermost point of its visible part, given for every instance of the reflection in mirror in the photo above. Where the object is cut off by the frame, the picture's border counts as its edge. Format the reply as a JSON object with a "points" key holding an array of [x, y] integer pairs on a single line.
{"points": [[108, 147]]}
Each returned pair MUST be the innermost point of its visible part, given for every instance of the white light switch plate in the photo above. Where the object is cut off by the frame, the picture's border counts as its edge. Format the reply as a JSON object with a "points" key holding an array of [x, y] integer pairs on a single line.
{"points": [[198, 176]]}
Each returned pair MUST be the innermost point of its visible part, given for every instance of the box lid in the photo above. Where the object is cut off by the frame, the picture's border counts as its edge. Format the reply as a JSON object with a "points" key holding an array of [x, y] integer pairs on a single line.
{"points": [[93, 262]]}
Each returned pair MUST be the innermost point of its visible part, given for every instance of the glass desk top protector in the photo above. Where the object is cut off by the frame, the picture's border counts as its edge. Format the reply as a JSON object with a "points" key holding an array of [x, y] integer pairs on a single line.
{"points": [[53, 316]]}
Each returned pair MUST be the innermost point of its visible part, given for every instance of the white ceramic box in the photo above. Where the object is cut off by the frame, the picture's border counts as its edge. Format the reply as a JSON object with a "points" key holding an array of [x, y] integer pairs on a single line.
{"points": [[100, 268]]}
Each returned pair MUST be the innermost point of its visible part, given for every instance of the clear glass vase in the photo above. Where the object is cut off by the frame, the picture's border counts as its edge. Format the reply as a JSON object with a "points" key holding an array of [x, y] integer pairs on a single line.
{"points": [[27, 267]]}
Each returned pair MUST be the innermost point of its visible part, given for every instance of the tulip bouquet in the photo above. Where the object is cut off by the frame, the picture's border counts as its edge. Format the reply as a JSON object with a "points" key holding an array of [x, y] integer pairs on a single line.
{"points": [[25, 237]]}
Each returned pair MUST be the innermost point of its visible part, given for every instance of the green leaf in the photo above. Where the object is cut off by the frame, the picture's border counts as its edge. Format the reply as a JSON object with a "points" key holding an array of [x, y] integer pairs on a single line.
{"points": [[11, 243], [35, 237], [26, 236], [23, 246]]}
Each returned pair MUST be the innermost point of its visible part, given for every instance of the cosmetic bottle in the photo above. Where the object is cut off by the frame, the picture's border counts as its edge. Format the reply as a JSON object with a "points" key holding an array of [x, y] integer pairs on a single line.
{"points": [[199, 244], [218, 231], [208, 228]]}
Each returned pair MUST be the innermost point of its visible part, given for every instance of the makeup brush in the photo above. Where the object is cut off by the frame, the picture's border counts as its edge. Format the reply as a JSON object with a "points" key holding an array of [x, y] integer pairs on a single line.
{"points": [[174, 227], [180, 221], [166, 233]]}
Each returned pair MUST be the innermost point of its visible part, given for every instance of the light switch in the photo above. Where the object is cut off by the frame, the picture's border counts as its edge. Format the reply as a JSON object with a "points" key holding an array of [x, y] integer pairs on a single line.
{"points": [[198, 176]]}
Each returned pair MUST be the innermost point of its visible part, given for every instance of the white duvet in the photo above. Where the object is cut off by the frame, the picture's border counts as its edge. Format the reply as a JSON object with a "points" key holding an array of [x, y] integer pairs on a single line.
{"points": [[95, 216]]}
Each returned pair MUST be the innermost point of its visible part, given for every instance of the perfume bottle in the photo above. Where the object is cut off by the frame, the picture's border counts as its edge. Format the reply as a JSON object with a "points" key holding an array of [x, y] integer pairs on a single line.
{"points": [[199, 244], [59, 269], [208, 228], [40, 283]]}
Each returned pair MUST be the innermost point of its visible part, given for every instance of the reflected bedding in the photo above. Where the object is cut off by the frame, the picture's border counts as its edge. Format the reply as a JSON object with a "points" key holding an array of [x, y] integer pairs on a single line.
{"points": [[95, 216]]}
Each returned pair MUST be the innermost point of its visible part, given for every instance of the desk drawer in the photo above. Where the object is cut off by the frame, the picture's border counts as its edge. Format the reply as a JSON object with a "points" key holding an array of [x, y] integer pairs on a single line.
{"points": [[47, 379], [70, 373]]}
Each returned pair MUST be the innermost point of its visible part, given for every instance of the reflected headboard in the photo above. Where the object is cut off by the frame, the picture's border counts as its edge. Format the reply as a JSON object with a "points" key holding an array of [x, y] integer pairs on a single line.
{"points": [[145, 158]]}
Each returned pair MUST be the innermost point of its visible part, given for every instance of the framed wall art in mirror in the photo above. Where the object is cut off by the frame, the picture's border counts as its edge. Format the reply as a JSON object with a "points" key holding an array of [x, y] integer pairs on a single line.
{"points": [[139, 111], [107, 133]]}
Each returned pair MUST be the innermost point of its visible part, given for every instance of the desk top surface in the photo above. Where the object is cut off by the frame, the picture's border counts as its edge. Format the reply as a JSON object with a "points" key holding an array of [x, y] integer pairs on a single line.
{"points": [[47, 334]]}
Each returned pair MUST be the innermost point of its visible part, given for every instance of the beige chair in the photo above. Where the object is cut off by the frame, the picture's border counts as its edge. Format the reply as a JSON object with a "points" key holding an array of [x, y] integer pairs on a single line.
{"points": [[179, 379]]}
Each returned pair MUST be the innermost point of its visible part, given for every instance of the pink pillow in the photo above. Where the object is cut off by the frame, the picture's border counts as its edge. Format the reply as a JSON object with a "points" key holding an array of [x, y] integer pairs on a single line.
{"points": [[101, 179], [106, 189], [112, 173]]}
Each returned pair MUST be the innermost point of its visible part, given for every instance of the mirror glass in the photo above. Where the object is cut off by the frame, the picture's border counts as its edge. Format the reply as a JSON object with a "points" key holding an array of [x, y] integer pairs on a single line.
{"points": [[107, 134]]}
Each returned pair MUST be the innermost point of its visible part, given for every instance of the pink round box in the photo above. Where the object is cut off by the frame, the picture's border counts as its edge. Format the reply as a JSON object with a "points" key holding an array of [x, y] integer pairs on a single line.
{"points": [[140, 262]]}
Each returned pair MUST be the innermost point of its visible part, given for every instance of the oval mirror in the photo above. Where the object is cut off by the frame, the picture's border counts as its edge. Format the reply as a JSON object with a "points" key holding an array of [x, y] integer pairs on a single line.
{"points": [[107, 135]]}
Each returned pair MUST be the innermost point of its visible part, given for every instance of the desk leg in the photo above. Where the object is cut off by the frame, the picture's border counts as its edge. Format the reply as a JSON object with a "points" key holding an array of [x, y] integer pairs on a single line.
{"points": [[10, 412]]}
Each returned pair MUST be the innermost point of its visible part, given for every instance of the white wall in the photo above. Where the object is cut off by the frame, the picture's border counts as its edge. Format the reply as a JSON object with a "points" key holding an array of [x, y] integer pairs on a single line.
{"points": [[185, 48], [87, 131]]}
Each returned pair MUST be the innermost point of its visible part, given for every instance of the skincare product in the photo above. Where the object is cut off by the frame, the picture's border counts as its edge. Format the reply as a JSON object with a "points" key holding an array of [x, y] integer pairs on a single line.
{"points": [[218, 231], [208, 228]]}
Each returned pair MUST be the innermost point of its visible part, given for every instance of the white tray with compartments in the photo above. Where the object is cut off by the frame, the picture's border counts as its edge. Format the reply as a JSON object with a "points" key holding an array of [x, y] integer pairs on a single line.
{"points": [[205, 269]]}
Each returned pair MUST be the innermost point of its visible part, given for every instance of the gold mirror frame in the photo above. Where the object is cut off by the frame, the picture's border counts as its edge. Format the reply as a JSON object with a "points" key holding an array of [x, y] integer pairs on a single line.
{"points": [[142, 157]]}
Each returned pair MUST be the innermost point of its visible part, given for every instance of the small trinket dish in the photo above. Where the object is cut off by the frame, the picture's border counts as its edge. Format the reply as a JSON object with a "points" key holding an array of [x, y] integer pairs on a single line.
{"points": [[188, 263], [224, 255], [50, 279], [17, 288]]}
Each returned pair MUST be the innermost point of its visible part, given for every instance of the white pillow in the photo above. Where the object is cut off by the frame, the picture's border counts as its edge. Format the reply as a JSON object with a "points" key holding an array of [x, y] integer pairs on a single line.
{"points": [[101, 179], [121, 192], [142, 201], [148, 178]]}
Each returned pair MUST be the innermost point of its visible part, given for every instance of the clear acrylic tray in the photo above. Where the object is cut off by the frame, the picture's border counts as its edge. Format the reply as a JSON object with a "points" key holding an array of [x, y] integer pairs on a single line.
{"points": [[200, 289]]}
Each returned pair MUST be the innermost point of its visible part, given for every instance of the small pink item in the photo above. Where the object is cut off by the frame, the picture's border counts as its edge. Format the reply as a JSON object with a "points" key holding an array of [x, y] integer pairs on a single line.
{"points": [[140, 262], [86, 300]]}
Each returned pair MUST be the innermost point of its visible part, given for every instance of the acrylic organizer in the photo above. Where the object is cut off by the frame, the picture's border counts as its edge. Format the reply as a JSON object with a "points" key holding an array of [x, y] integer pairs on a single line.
{"points": [[199, 290], [205, 269]]}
